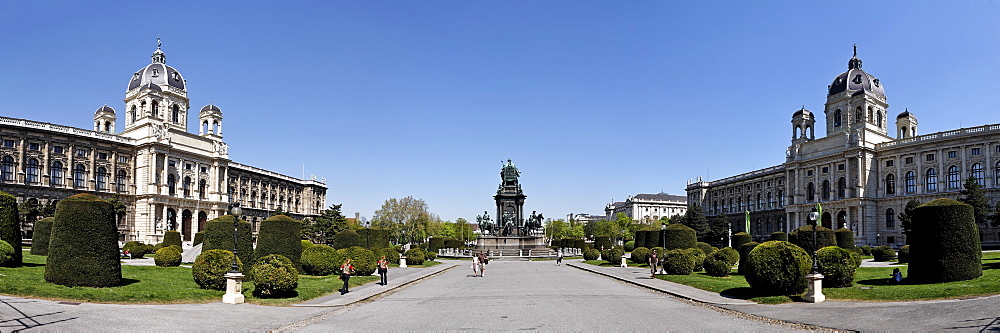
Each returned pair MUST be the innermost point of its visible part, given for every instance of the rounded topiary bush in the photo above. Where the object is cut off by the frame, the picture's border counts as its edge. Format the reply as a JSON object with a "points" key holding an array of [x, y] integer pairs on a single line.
{"points": [[838, 266], [640, 255], [430, 256], [945, 241], [363, 260], [83, 246], [306, 244], [613, 255], [391, 255], [135, 249], [904, 254], [679, 236], [883, 253], [321, 260], [168, 257], [659, 252], [705, 247], [824, 237], [172, 237], [346, 239], [10, 226], [199, 237], [591, 254], [210, 268], [744, 252], [845, 238], [157, 247], [697, 258], [629, 246], [280, 234], [741, 238], [602, 242], [717, 264], [40, 237], [219, 236], [779, 236], [732, 256], [678, 262], [6, 253], [414, 256], [274, 276], [866, 250], [778, 268], [177, 247]]}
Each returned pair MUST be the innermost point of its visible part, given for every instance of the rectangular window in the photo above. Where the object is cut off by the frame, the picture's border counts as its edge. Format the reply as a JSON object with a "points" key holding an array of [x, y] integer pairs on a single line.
{"points": [[952, 154], [841, 167], [890, 239], [81, 152], [909, 160], [122, 159], [33, 146], [102, 156], [8, 143], [188, 166], [930, 157], [976, 151], [205, 170], [57, 149], [809, 172], [171, 164], [826, 169], [888, 163]]}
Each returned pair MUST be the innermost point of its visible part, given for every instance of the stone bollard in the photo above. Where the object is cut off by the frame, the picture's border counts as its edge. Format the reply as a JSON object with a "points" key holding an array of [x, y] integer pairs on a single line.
{"points": [[234, 288], [623, 262], [402, 261], [815, 292]]}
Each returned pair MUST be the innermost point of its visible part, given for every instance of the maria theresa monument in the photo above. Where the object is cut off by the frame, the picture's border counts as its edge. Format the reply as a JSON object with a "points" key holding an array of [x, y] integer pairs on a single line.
{"points": [[511, 230]]}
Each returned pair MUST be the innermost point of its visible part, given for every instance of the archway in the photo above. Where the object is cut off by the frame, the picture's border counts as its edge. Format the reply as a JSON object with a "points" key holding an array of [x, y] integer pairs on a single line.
{"points": [[186, 225], [842, 219], [202, 219], [171, 219], [827, 220]]}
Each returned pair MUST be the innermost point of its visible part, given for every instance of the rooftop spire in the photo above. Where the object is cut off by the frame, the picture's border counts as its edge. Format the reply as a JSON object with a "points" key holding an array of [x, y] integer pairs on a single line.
{"points": [[158, 56], [854, 63]]}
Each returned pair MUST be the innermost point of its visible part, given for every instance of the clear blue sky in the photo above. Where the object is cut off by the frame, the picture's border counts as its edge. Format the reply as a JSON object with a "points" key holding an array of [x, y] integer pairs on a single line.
{"points": [[593, 101]]}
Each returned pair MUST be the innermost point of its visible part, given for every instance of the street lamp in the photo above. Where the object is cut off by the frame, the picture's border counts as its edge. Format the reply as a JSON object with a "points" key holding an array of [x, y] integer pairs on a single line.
{"points": [[236, 212], [813, 216]]}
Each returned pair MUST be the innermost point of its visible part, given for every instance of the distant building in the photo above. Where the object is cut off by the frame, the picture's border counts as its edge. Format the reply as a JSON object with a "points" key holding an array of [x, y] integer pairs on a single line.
{"points": [[584, 218], [648, 207]]}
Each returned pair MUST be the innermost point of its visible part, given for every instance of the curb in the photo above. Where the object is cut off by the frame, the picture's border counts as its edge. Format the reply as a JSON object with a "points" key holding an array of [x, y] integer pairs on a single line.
{"points": [[637, 283], [382, 292]]}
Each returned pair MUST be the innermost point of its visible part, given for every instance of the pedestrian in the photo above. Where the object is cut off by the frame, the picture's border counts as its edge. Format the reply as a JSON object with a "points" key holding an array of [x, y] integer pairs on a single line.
{"points": [[653, 260], [475, 264], [484, 260], [559, 258], [896, 276], [346, 270], [383, 270]]}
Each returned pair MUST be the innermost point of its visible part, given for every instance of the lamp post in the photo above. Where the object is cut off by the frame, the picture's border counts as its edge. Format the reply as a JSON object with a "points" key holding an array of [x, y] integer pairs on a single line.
{"points": [[815, 292], [812, 220], [234, 284]]}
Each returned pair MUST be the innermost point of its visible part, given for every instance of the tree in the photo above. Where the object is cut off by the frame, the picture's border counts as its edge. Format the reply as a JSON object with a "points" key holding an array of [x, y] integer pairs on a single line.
{"points": [[119, 207], [322, 228], [906, 217], [996, 215], [974, 195], [575, 230], [406, 219], [695, 219], [718, 231], [590, 229], [280, 211], [29, 210], [623, 227], [463, 230], [555, 229]]}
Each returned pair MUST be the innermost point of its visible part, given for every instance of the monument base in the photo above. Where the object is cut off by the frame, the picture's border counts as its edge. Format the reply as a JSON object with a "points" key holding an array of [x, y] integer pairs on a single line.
{"points": [[510, 243]]}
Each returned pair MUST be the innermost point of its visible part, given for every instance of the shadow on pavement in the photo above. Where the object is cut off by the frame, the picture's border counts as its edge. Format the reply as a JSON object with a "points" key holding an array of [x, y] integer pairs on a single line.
{"points": [[25, 321]]}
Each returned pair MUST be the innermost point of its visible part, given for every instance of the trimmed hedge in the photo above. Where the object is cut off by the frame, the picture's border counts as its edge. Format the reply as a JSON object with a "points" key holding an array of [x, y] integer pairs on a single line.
{"points": [[168, 257], [778, 268], [732, 256], [904, 254], [945, 241], [838, 266], [345, 239], [845, 238], [306, 244], [630, 246], [653, 239], [40, 237], [372, 238], [83, 246], [602, 242], [779, 236], [275, 276], [433, 244], [697, 258], [172, 237], [280, 234], [866, 250], [744, 252], [640, 255], [219, 236], [6, 253], [679, 236], [613, 255], [321, 260], [638, 241], [211, 266], [705, 247], [451, 243], [414, 256], [824, 238], [135, 249], [10, 227], [391, 255], [883, 253], [363, 260], [579, 244], [678, 262], [591, 254], [717, 264], [199, 237], [741, 238]]}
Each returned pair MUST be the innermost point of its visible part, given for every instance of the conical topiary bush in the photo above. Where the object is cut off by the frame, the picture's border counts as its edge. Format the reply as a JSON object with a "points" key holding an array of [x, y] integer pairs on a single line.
{"points": [[10, 226], [219, 236], [83, 246]]}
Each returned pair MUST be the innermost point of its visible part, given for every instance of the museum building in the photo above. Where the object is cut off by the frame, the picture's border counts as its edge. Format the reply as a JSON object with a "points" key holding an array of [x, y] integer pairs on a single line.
{"points": [[168, 178], [647, 207], [859, 172]]}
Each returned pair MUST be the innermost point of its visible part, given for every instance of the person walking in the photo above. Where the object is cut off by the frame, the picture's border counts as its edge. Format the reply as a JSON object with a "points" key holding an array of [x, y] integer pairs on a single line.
{"points": [[346, 270], [475, 265], [559, 257], [383, 270], [482, 266], [653, 261]]}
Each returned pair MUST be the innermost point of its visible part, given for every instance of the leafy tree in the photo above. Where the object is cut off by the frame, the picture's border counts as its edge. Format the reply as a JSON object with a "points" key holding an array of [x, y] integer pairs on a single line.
{"points": [[463, 230], [407, 219], [29, 210], [280, 211], [321, 229], [718, 231], [49, 210], [555, 229], [974, 195], [996, 215], [119, 207], [575, 230], [590, 229], [906, 217], [695, 219], [623, 227]]}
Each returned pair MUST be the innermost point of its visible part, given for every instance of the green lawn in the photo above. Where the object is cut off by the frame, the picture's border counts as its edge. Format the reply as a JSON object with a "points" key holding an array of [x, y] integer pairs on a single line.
{"points": [[150, 284], [870, 284]]}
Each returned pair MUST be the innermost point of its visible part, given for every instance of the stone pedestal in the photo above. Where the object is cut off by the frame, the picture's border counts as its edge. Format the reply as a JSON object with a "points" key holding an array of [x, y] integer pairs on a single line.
{"points": [[815, 292], [487, 242], [623, 262], [234, 288], [402, 262]]}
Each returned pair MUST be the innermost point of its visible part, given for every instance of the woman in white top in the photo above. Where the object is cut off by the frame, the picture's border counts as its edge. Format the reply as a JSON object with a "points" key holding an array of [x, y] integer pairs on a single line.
{"points": [[475, 265]]}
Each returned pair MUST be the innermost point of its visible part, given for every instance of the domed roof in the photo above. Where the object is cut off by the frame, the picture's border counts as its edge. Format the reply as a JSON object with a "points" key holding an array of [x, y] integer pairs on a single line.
{"points": [[210, 107], [105, 109], [856, 80], [157, 73], [150, 86], [905, 114], [802, 111]]}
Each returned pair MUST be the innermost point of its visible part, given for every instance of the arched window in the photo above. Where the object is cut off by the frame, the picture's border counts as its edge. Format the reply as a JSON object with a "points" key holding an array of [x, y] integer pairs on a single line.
{"points": [[102, 179], [826, 190], [739, 203], [78, 174], [56, 173], [187, 186], [842, 188], [953, 177], [890, 184], [931, 180], [731, 207], [977, 173], [781, 198], [7, 168], [202, 187], [175, 114], [171, 185], [760, 203], [156, 109], [857, 114], [890, 219], [32, 171], [836, 118], [253, 199], [910, 181], [878, 119], [770, 200], [870, 115], [715, 206], [120, 181], [131, 114], [811, 192]]}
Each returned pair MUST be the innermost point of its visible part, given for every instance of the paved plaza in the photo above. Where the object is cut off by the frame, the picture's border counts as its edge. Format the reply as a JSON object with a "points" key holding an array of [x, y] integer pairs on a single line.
{"points": [[514, 295]]}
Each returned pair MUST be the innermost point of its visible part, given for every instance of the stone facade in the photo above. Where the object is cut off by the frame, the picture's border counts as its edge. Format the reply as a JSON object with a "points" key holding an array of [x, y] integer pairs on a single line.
{"points": [[861, 175], [168, 178], [648, 207]]}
